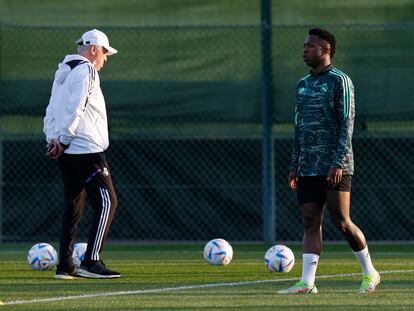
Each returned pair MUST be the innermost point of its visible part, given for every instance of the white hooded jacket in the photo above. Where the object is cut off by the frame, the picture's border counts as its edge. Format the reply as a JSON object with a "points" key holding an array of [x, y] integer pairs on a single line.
{"points": [[76, 114]]}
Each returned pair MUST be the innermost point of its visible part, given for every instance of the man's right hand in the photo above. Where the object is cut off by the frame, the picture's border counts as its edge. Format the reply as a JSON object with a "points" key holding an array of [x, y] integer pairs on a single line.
{"points": [[292, 180]]}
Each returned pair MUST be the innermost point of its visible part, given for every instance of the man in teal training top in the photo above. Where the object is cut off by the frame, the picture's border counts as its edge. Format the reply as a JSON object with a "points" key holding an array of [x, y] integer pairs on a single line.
{"points": [[322, 161]]}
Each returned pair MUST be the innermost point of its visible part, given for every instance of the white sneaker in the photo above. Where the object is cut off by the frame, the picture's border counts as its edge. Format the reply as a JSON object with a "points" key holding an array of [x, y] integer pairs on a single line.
{"points": [[369, 283], [62, 275], [299, 288]]}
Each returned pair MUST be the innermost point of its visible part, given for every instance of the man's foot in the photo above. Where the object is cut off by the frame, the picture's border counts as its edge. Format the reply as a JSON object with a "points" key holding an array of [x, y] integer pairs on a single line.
{"points": [[96, 270], [299, 288], [369, 283], [65, 275]]}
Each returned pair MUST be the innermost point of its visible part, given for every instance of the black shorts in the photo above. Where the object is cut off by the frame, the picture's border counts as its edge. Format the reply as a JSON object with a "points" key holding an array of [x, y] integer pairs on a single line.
{"points": [[314, 188]]}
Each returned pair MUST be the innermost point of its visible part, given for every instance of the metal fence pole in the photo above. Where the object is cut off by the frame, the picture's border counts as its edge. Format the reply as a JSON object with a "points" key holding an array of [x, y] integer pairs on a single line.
{"points": [[268, 165], [1, 184], [1, 147]]}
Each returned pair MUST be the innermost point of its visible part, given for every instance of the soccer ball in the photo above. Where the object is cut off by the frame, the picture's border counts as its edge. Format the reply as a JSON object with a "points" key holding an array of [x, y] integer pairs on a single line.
{"points": [[78, 253], [42, 256], [218, 252], [279, 258]]}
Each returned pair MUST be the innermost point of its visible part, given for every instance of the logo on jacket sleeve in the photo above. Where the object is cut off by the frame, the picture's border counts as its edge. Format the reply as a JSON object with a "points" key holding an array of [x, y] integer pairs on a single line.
{"points": [[302, 91]]}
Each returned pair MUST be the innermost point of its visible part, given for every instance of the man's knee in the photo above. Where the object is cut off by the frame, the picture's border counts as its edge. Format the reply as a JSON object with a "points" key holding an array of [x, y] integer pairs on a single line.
{"points": [[342, 224], [311, 222], [312, 216]]}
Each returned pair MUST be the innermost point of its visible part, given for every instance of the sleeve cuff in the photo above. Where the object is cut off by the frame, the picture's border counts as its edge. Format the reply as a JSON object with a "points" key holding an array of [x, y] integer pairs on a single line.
{"points": [[64, 141], [63, 145], [337, 165]]}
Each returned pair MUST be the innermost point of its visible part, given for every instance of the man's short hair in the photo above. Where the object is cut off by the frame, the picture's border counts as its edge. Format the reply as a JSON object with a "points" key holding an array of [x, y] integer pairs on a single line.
{"points": [[327, 36], [83, 48]]}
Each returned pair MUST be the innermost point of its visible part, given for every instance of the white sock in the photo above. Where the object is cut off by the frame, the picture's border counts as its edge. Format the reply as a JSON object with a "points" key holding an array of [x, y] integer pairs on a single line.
{"points": [[310, 263], [364, 259]]}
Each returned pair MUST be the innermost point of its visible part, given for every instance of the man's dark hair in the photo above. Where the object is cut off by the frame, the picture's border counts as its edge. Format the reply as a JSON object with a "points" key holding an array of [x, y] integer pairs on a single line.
{"points": [[327, 36]]}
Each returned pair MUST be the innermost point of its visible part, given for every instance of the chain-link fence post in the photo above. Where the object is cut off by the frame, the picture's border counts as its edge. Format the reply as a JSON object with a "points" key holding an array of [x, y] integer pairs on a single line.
{"points": [[1, 150], [1, 185], [269, 213]]}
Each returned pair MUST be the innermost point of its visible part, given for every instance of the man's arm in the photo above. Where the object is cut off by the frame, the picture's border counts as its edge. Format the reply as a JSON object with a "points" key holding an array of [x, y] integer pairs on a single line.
{"points": [[79, 88], [294, 158], [345, 110], [49, 122]]}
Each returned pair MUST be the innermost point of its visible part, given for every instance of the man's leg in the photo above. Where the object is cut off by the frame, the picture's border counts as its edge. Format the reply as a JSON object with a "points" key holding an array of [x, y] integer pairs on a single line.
{"points": [[338, 204], [102, 195], [312, 215], [74, 204], [104, 202], [311, 200]]}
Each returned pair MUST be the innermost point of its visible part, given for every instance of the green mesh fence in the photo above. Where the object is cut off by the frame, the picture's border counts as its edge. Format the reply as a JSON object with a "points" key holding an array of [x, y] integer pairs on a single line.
{"points": [[184, 107]]}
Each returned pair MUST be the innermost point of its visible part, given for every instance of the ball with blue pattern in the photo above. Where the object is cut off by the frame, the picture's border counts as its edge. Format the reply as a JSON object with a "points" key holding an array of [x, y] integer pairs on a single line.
{"points": [[42, 257], [78, 253], [279, 258], [218, 252]]}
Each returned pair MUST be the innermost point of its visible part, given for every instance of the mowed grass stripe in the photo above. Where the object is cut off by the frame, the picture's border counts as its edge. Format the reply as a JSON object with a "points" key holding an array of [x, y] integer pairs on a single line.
{"points": [[183, 288]]}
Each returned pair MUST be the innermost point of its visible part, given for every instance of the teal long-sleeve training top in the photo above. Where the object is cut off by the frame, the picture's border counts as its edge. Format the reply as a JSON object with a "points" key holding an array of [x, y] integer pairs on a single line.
{"points": [[324, 122]]}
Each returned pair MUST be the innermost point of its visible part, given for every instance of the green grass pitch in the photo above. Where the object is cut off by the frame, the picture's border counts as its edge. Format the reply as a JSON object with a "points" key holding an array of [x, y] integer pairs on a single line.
{"points": [[175, 277]]}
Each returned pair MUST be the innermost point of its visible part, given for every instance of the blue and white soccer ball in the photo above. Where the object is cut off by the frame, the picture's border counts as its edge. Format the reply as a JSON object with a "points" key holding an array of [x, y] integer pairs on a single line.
{"points": [[41, 257], [78, 253], [279, 258], [218, 252]]}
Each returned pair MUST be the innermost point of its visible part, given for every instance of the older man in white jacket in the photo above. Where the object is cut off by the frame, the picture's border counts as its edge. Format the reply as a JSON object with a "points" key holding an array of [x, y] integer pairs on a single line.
{"points": [[76, 132]]}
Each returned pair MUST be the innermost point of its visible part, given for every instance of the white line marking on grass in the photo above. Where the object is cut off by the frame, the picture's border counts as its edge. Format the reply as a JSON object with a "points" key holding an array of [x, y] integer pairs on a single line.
{"points": [[189, 287]]}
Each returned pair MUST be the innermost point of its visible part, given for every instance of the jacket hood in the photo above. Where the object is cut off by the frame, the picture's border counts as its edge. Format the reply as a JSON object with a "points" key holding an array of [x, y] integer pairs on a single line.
{"points": [[64, 69]]}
